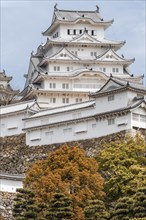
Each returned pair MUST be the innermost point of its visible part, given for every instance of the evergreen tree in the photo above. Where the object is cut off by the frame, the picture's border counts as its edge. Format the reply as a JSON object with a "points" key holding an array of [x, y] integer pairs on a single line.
{"points": [[26, 207], [123, 166], [60, 208], [140, 203], [123, 209], [96, 210]]}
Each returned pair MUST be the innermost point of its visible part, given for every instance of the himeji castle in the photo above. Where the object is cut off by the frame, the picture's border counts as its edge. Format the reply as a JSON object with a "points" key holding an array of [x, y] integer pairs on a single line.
{"points": [[76, 59], [77, 86]]}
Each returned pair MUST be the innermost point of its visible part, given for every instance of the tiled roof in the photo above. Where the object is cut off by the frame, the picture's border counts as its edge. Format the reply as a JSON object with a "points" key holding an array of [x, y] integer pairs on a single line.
{"points": [[65, 108], [69, 15], [3, 76], [20, 106], [118, 85], [99, 115]]}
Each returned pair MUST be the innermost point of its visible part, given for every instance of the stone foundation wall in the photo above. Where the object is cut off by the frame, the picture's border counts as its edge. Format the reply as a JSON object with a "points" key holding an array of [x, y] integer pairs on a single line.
{"points": [[6, 205], [16, 157]]}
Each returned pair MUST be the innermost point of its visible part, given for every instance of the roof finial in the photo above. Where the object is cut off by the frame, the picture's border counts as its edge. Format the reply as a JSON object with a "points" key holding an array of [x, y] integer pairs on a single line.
{"points": [[32, 53], [97, 8], [55, 6], [85, 30]]}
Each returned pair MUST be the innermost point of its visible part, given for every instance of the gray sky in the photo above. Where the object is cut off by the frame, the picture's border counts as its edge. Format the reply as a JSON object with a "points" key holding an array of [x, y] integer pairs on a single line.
{"points": [[22, 23]]}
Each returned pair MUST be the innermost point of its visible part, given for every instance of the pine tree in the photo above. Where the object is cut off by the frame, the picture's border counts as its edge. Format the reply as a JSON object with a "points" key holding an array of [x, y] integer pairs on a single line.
{"points": [[96, 210], [123, 209], [140, 203], [26, 207], [60, 208]]}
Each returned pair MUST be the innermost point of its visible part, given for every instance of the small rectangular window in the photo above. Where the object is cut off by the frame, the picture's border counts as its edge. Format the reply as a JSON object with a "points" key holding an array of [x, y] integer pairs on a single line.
{"points": [[58, 68], [92, 32], [110, 98], [114, 70], [65, 100], [91, 53], [80, 31], [68, 31], [49, 133], [66, 130], [117, 70], [143, 118], [67, 68], [135, 117], [104, 69], [111, 121], [52, 100], [78, 99], [93, 125], [74, 32], [65, 86], [55, 68]]}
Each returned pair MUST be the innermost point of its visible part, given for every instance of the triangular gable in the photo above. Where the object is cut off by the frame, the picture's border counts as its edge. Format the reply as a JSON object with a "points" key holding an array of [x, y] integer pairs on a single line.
{"points": [[85, 38], [110, 85], [109, 55], [140, 109], [34, 107], [64, 54]]}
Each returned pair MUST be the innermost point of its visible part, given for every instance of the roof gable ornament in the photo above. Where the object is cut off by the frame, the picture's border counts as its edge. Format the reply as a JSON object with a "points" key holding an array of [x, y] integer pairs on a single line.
{"points": [[97, 8], [55, 7]]}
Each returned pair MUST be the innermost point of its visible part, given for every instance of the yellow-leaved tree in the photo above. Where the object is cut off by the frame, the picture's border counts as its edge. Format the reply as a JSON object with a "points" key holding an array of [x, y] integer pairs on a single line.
{"points": [[69, 171]]}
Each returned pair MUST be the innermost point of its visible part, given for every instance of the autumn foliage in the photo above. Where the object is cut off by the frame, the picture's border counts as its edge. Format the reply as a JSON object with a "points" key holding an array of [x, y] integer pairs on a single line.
{"points": [[69, 171]]}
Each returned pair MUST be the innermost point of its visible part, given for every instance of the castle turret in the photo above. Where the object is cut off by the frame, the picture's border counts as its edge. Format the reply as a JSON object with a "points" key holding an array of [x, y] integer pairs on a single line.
{"points": [[7, 94]]}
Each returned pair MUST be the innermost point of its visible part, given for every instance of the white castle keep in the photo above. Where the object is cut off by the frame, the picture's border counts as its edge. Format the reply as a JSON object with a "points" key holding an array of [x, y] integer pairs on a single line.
{"points": [[77, 86]]}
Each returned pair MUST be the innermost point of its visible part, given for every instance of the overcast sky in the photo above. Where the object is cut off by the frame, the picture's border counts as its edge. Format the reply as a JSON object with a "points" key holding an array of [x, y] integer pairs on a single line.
{"points": [[22, 23]]}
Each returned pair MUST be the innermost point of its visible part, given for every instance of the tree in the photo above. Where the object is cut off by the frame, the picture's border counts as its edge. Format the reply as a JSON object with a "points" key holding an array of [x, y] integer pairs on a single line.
{"points": [[123, 209], [96, 210], [26, 207], [123, 166], [132, 207], [60, 208], [139, 208], [69, 171]]}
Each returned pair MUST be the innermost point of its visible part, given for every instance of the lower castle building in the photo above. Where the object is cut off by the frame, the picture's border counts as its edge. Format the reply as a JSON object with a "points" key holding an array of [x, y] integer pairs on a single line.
{"points": [[117, 106]]}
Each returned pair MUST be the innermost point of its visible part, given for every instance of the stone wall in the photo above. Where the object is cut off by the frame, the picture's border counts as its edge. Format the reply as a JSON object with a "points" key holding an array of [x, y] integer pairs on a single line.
{"points": [[16, 157], [6, 205]]}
